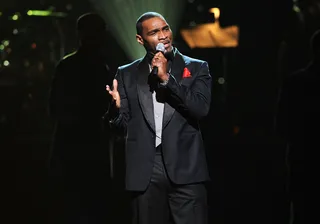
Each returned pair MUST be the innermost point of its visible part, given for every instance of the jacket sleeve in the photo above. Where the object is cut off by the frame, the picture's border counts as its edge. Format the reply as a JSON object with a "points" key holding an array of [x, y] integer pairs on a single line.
{"points": [[195, 99]]}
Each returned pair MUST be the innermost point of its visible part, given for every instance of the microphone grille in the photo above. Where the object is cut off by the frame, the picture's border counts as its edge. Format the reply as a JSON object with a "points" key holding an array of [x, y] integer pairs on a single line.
{"points": [[160, 47]]}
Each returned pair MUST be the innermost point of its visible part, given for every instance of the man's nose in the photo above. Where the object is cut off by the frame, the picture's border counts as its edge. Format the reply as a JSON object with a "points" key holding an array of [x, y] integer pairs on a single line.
{"points": [[162, 35]]}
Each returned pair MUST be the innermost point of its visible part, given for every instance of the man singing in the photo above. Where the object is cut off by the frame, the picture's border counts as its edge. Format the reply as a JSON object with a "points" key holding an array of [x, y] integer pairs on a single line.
{"points": [[158, 102]]}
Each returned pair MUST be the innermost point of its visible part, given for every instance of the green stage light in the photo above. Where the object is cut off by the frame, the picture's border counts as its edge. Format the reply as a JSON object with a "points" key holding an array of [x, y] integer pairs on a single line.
{"points": [[45, 13]]}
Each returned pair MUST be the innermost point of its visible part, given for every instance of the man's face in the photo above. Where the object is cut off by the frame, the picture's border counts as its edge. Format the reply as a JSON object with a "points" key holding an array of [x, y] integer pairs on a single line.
{"points": [[155, 30]]}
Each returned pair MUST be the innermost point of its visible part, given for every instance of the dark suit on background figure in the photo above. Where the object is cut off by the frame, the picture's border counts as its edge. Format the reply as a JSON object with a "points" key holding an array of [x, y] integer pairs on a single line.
{"points": [[166, 164], [298, 124], [78, 100]]}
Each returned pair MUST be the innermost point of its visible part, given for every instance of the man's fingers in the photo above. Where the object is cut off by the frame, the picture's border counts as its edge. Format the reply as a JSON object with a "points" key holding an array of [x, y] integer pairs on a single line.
{"points": [[113, 92], [109, 90], [115, 85], [159, 54]]}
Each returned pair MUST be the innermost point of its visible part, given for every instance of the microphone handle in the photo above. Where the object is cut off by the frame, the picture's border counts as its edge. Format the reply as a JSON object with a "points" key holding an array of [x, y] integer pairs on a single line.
{"points": [[154, 71], [152, 78]]}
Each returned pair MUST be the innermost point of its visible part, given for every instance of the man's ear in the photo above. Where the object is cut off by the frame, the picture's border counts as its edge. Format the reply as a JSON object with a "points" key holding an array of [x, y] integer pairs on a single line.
{"points": [[139, 39]]}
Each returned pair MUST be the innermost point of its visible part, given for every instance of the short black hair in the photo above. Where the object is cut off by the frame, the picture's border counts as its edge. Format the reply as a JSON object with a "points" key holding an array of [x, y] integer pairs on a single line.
{"points": [[144, 17]]}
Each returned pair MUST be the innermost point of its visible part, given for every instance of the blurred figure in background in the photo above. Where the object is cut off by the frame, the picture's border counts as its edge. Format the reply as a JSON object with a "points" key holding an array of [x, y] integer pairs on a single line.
{"points": [[78, 100]]}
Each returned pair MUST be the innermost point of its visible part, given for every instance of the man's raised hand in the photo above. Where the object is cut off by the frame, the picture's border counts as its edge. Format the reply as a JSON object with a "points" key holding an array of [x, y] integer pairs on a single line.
{"points": [[114, 92]]}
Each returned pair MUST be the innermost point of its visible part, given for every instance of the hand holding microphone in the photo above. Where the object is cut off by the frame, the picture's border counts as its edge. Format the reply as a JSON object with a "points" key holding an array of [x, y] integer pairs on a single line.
{"points": [[159, 63]]}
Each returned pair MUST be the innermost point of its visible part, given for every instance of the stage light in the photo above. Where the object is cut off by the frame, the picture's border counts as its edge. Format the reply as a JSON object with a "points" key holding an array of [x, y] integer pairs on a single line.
{"points": [[221, 80], [15, 17], [211, 35], [6, 43], [216, 12], [6, 63], [39, 13], [45, 13]]}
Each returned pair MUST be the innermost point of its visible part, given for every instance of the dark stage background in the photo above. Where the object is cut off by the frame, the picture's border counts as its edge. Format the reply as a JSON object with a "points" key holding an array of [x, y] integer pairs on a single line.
{"points": [[246, 160]]}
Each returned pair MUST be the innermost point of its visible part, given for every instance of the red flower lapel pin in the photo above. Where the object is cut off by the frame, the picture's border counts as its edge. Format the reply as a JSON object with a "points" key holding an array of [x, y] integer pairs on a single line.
{"points": [[186, 73]]}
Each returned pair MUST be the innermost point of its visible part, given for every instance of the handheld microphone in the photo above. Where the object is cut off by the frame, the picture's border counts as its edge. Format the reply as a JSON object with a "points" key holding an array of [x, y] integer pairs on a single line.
{"points": [[159, 48]]}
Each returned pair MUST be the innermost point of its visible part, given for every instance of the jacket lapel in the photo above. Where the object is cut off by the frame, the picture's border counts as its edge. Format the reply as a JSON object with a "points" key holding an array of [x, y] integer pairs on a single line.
{"points": [[178, 65], [144, 93]]}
